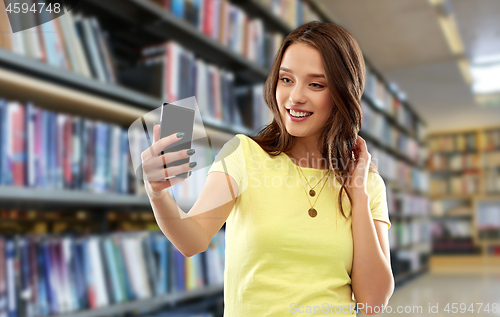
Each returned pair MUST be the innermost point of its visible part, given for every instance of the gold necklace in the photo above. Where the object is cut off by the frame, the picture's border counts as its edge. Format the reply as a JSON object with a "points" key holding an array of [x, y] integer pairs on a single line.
{"points": [[311, 191], [313, 212]]}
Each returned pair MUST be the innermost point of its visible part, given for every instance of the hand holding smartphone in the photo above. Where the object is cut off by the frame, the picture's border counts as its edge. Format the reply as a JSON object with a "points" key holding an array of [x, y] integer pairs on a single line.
{"points": [[175, 119]]}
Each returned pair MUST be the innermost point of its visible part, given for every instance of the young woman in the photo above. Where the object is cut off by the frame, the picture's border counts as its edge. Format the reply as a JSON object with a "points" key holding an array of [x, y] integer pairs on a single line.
{"points": [[305, 209]]}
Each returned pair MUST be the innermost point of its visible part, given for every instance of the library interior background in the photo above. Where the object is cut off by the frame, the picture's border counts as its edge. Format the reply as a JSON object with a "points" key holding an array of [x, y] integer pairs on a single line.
{"points": [[75, 75]]}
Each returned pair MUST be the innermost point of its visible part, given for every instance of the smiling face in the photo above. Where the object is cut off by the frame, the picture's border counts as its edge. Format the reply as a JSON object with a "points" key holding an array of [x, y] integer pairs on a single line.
{"points": [[300, 88]]}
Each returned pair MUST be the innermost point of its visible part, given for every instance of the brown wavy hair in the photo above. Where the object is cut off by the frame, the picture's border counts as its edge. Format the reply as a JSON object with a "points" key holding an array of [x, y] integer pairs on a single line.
{"points": [[345, 73]]}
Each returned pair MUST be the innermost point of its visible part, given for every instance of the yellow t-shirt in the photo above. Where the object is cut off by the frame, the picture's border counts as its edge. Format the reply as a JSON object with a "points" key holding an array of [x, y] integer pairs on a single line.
{"points": [[279, 260]]}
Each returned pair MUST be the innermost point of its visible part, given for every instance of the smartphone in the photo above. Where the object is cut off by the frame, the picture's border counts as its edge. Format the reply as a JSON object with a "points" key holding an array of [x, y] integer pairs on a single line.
{"points": [[175, 119]]}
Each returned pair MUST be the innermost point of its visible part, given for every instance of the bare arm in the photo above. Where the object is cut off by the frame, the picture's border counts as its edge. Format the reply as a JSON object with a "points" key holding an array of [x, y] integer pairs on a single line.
{"points": [[371, 276], [191, 233]]}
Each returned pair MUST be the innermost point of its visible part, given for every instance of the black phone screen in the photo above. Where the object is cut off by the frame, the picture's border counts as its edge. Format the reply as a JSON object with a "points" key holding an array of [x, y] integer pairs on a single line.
{"points": [[177, 119]]}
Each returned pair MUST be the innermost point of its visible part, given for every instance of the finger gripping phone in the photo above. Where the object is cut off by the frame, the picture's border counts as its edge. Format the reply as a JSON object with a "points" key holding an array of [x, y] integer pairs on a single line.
{"points": [[174, 119]]}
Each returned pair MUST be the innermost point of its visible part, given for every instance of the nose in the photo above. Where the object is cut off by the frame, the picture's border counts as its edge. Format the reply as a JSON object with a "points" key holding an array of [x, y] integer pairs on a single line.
{"points": [[297, 96]]}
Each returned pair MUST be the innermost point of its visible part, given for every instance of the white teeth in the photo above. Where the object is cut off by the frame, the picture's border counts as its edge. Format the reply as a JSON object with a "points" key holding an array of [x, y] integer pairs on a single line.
{"points": [[300, 114]]}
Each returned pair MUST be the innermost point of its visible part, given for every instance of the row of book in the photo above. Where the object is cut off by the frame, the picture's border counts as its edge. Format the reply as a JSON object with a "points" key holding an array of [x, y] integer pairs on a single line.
{"points": [[451, 228], [490, 233], [409, 233], [451, 245], [49, 275], [453, 161], [492, 159], [229, 25], [450, 208], [176, 313], [490, 140], [466, 184], [389, 99], [43, 221], [398, 171], [406, 204], [256, 114], [488, 215], [377, 125], [411, 260], [68, 41], [493, 250], [492, 181], [454, 142], [44, 149], [293, 12], [171, 72]]}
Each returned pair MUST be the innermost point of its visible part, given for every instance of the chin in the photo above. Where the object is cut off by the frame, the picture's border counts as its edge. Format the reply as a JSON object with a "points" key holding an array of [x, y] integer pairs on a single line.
{"points": [[296, 132]]}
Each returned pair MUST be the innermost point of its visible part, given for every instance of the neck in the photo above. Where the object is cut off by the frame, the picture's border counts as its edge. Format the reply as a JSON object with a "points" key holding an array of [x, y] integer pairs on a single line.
{"points": [[305, 153]]}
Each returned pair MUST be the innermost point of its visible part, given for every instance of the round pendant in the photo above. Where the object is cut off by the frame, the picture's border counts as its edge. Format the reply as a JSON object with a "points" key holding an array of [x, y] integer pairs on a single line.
{"points": [[312, 193], [312, 212]]}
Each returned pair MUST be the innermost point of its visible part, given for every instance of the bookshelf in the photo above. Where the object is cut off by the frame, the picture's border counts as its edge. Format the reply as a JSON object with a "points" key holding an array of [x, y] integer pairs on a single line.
{"points": [[393, 130], [127, 307], [466, 195]]}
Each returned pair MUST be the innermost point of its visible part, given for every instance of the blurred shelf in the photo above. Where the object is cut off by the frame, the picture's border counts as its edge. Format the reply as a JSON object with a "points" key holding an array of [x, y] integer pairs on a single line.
{"points": [[22, 196], [410, 216], [45, 73], [453, 152], [464, 264], [391, 119], [466, 196], [258, 10], [448, 217], [409, 107], [57, 96], [390, 150], [154, 20], [406, 189], [453, 196], [454, 245], [460, 171], [422, 246], [403, 277], [157, 20], [148, 303], [464, 260], [489, 241]]}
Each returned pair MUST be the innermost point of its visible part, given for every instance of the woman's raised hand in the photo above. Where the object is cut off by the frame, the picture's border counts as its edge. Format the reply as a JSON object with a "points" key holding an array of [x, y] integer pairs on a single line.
{"points": [[359, 167], [153, 165]]}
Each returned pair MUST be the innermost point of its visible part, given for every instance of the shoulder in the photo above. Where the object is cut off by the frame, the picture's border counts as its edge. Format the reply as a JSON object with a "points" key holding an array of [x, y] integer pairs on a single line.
{"points": [[250, 147], [375, 179], [247, 143], [375, 184], [238, 146], [243, 138], [237, 141]]}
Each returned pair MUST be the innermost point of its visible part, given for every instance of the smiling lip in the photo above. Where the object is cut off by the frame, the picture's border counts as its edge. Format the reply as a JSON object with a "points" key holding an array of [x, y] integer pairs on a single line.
{"points": [[298, 110], [294, 119]]}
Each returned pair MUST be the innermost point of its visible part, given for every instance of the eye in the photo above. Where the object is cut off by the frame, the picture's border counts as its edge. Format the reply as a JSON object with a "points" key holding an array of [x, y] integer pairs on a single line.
{"points": [[317, 85]]}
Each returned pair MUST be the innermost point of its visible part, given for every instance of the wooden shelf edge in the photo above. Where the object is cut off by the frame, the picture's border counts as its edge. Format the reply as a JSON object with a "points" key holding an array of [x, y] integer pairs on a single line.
{"points": [[145, 303], [69, 100], [78, 198]]}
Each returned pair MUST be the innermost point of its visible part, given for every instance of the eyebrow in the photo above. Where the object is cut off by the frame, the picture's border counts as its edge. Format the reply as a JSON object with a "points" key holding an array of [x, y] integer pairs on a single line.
{"points": [[309, 75]]}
